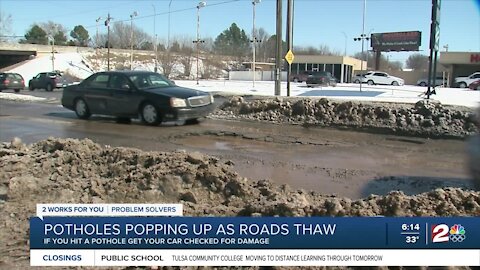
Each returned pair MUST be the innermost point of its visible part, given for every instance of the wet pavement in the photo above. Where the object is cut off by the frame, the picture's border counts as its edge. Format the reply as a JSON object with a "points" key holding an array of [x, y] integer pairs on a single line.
{"points": [[346, 163]]}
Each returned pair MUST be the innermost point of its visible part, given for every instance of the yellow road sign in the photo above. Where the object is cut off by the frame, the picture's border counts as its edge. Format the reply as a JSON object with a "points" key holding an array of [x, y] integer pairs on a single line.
{"points": [[289, 57]]}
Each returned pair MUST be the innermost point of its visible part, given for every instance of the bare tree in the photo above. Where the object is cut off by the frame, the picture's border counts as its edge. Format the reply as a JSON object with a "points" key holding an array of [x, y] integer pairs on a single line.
{"points": [[121, 33], [263, 44], [5, 26], [53, 28], [167, 61], [186, 61], [321, 50], [417, 61]]}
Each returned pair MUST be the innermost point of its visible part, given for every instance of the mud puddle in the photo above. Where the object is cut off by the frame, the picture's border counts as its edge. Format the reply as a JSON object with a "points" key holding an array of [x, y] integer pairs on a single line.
{"points": [[342, 168]]}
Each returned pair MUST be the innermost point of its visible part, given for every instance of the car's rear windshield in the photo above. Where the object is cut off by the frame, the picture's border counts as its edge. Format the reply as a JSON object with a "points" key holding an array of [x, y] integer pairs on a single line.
{"points": [[150, 81]]}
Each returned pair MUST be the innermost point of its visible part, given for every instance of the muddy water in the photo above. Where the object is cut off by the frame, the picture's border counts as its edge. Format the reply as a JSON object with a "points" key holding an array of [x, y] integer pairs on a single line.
{"points": [[347, 164]]}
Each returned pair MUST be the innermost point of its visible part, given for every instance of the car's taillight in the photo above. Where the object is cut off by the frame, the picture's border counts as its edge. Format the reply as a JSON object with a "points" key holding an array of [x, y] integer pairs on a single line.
{"points": [[6, 82], [23, 82]]}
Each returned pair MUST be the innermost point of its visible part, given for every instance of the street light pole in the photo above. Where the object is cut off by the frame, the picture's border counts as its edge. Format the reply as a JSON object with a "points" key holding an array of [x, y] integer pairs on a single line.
{"points": [[155, 37], [362, 38], [53, 52], [107, 24], [168, 36], [254, 39], [200, 5], [96, 40], [131, 38]]}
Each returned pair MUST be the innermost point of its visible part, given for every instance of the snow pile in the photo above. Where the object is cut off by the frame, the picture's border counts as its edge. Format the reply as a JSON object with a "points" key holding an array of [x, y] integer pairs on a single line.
{"points": [[75, 171], [72, 63], [20, 97]]}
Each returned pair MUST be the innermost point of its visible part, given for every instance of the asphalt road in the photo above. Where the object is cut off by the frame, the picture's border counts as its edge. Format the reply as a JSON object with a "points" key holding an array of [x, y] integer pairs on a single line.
{"points": [[345, 163]]}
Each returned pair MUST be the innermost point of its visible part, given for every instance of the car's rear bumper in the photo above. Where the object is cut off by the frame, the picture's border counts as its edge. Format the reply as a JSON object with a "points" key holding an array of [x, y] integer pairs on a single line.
{"points": [[5, 87]]}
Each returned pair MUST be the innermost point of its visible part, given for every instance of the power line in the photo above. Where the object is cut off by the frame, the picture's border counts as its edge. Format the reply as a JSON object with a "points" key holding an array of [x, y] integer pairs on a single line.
{"points": [[174, 11]]}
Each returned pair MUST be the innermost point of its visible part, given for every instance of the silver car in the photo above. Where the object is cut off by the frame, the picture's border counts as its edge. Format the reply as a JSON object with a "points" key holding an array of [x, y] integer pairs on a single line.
{"points": [[439, 80], [378, 77]]}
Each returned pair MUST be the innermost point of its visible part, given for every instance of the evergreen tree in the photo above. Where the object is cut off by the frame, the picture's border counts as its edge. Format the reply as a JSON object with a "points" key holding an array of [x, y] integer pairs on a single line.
{"points": [[80, 35], [35, 35], [60, 38], [233, 41]]}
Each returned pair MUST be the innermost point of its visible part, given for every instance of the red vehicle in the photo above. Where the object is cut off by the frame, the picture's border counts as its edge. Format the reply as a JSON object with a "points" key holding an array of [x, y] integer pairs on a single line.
{"points": [[11, 81], [475, 85], [301, 76]]}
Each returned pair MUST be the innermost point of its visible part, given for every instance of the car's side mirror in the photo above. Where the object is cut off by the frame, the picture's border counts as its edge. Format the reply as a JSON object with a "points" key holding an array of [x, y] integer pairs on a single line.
{"points": [[126, 86], [174, 83]]}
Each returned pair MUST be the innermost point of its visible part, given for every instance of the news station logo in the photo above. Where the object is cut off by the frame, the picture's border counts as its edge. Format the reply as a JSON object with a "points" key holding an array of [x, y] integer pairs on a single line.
{"points": [[442, 233]]}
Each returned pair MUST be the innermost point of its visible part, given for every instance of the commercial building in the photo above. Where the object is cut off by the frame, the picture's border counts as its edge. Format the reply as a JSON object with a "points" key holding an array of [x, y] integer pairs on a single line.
{"points": [[460, 63], [341, 67]]}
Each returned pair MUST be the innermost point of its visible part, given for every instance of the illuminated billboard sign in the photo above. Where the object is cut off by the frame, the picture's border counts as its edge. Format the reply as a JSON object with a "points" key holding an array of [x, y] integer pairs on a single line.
{"points": [[396, 41]]}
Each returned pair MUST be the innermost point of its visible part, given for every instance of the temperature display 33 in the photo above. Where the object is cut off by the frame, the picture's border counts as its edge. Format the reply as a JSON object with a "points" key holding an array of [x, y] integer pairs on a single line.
{"points": [[410, 232]]}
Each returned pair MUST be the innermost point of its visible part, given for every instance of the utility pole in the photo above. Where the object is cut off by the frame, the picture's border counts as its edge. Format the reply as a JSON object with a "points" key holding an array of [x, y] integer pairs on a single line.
{"points": [[134, 14], [155, 38], [289, 39], [362, 38], [168, 37], [53, 53], [198, 41], [278, 55], [96, 40], [107, 24], [254, 40]]}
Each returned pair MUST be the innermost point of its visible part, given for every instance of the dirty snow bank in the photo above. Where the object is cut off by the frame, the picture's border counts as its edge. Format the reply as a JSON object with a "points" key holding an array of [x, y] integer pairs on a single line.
{"points": [[20, 97], [81, 171], [426, 119]]}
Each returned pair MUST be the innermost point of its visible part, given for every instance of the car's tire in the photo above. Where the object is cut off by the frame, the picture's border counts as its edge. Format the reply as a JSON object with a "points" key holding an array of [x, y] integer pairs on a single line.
{"points": [[357, 81], [462, 85], [81, 109], [370, 82], [423, 84], [478, 87], [31, 88], [149, 114], [395, 83], [295, 80], [16, 90], [49, 87]]}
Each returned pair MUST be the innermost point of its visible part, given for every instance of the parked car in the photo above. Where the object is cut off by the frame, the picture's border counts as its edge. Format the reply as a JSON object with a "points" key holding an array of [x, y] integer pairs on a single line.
{"points": [[439, 80], [47, 81], [475, 85], [302, 76], [321, 78], [464, 82], [132, 94], [378, 77], [13, 81]]}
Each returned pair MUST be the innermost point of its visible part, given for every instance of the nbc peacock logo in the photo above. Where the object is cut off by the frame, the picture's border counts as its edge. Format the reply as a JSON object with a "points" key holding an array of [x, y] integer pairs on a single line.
{"points": [[457, 233]]}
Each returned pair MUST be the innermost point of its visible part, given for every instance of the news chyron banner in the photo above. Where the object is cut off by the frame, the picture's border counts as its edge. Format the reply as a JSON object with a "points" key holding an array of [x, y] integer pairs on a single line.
{"points": [[159, 235]]}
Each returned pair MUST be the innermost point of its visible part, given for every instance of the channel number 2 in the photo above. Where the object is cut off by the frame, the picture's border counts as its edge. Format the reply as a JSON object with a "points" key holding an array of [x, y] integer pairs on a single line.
{"points": [[440, 233]]}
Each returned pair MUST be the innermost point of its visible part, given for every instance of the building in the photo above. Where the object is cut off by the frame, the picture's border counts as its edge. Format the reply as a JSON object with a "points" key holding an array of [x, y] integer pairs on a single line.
{"points": [[460, 63], [341, 67]]}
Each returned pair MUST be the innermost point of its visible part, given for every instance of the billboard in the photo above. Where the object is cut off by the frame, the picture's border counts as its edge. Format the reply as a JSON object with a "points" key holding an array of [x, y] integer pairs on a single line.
{"points": [[396, 41]]}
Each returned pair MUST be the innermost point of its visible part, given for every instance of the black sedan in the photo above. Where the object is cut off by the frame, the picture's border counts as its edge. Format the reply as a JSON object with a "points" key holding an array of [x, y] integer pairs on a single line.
{"points": [[131, 94]]}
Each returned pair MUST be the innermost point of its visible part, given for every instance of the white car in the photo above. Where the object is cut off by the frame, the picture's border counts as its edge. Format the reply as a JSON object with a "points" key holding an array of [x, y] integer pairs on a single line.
{"points": [[378, 77], [464, 82]]}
